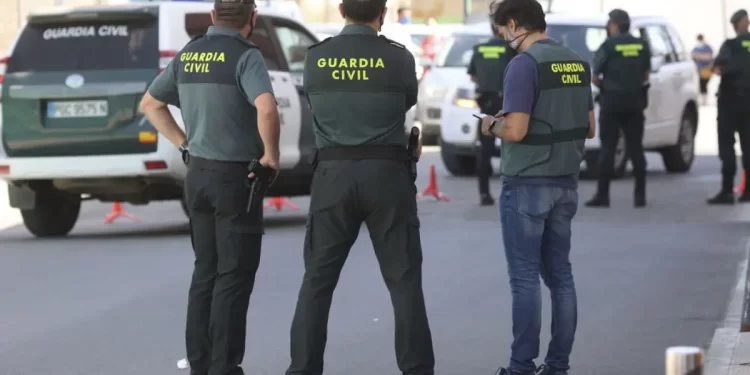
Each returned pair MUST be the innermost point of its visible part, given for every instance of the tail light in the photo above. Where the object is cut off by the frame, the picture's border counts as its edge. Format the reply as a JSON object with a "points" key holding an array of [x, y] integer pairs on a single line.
{"points": [[164, 58], [3, 66], [5, 169], [155, 165]]}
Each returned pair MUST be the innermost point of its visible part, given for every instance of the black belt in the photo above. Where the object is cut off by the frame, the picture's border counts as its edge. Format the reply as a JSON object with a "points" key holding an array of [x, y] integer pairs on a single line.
{"points": [[218, 165], [363, 153]]}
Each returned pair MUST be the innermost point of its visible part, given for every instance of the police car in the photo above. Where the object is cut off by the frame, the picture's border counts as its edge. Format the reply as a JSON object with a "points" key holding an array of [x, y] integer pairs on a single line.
{"points": [[671, 117], [71, 127]]}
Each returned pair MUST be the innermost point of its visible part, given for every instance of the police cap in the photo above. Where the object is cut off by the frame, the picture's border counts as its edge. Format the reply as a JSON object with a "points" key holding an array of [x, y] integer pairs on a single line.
{"points": [[619, 17], [738, 16]]}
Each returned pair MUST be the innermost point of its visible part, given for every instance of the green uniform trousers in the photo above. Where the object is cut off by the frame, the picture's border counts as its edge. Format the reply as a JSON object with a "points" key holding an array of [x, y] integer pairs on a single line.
{"points": [[345, 194]]}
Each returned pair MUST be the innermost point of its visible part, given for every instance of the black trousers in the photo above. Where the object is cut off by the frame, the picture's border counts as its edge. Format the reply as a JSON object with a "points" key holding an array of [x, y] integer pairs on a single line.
{"points": [[345, 194], [632, 124], [226, 241], [490, 103], [733, 117]]}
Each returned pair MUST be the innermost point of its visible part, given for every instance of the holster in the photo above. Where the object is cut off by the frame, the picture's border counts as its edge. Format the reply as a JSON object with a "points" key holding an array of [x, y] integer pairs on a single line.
{"points": [[258, 185]]}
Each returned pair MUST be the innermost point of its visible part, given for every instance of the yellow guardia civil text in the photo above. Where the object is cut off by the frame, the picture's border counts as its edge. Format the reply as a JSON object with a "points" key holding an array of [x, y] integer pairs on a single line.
{"points": [[570, 73], [350, 68], [200, 62], [629, 50]]}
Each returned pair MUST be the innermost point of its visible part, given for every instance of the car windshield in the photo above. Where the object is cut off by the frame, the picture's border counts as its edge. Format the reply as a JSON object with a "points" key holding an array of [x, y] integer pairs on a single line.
{"points": [[584, 40], [457, 51]]}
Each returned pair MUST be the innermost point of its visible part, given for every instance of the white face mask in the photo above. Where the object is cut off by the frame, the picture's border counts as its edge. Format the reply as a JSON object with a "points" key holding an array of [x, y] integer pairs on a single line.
{"points": [[515, 41]]}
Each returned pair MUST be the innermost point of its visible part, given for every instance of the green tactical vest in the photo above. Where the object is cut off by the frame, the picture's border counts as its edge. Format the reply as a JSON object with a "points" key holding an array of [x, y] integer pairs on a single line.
{"points": [[221, 123], [559, 123]]}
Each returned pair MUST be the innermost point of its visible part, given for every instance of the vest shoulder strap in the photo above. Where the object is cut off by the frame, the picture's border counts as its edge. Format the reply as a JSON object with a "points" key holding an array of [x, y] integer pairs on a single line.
{"points": [[319, 43], [393, 43]]}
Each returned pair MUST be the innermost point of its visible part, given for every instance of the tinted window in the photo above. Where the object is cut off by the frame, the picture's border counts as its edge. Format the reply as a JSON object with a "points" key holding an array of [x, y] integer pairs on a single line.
{"points": [[457, 52], [89, 45], [294, 42], [198, 23], [584, 40]]}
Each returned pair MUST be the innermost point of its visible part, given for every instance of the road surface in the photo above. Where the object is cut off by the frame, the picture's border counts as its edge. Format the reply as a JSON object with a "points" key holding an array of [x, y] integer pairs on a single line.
{"points": [[110, 299]]}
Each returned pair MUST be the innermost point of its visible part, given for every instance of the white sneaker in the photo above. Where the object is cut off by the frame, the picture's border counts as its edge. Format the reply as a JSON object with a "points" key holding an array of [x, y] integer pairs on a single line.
{"points": [[183, 364]]}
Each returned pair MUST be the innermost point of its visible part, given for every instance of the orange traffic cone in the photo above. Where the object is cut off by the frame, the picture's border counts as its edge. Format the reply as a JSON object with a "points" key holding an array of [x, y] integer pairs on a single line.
{"points": [[118, 211], [280, 202], [740, 189], [432, 189]]}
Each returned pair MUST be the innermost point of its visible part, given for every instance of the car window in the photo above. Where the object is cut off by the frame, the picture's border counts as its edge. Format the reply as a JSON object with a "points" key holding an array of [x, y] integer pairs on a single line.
{"points": [[457, 52], [584, 40], [87, 45], [198, 23], [659, 43], [679, 48], [636, 32], [294, 43]]}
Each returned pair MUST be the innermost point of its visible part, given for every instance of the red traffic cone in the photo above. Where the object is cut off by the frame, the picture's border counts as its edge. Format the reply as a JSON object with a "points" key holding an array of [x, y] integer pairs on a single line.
{"points": [[118, 211], [432, 189], [740, 189], [280, 202]]}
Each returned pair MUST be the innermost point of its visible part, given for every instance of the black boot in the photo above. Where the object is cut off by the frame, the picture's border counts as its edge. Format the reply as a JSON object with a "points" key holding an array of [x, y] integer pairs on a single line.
{"points": [[601, 198], [639, 195], [486, 200], [726, 195]]}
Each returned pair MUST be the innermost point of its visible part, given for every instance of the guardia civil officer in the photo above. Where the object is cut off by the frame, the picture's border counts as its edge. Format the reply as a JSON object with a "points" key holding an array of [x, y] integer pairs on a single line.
{"points": [[624, 62], [733, 64], [221, 84], [547, 116], [359, 87], [486, 70]]}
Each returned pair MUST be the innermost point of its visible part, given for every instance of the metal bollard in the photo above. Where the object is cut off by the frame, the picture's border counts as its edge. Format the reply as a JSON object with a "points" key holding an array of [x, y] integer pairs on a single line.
{"points": [[684, 360]]}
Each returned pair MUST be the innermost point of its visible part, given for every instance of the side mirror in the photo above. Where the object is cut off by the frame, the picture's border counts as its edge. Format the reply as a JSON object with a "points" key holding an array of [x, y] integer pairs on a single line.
{"points": [[657, 62]]}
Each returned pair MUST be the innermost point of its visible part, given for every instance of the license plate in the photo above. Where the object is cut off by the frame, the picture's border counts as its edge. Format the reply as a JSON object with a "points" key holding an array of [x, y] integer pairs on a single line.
{"points": [[88, 108]]}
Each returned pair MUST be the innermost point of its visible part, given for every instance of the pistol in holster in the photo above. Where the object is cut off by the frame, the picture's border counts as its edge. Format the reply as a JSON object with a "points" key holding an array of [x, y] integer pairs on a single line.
{"points": [[412, 149], [263, 178]]}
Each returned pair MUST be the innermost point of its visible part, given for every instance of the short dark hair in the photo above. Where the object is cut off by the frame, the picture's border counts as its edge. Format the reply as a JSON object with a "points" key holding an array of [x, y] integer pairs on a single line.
{"points": [[363, 10], [403, 9], [234, 15], [700, 36], [526, 13]]}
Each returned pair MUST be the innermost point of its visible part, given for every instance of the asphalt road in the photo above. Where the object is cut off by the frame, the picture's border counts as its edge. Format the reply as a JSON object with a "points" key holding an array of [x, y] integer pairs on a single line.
{"points": [[110, 299]]}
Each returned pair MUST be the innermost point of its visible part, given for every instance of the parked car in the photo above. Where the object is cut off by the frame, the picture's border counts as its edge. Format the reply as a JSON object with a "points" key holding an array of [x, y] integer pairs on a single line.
{"points": [[71, 126], [671, 116]]}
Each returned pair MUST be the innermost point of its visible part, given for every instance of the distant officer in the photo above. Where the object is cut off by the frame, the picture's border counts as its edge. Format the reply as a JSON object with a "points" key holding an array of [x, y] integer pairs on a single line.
{"points": [[624, 61], [486, 70], [359, 87], [221, 84], [733, 64]]}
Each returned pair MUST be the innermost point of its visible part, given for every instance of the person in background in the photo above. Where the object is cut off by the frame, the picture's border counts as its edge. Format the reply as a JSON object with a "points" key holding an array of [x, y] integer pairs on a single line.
{"points": [[431, 43], [404, 15], [703, 55]]}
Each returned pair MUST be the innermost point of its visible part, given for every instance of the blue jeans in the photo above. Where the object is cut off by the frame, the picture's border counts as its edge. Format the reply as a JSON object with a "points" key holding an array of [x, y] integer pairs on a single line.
{"points": [[536, 221]]}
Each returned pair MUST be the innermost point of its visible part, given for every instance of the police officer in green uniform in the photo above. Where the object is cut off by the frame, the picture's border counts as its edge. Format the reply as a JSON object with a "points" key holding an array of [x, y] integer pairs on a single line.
{"points": [[624, 61], [221, 84], [360, 86], [733, 64], [486, 70]]}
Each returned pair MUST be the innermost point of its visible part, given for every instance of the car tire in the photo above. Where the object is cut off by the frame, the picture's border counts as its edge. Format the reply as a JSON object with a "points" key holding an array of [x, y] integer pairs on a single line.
{"points": [[459, 165], [621, 160], [54, 215], [679, 158]]}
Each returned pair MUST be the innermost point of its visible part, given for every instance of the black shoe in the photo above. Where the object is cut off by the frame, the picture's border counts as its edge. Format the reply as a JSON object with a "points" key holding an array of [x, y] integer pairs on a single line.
{"points": [[503, 371], [724, 197], [486, 200], [639, 201], [598, 201], [544, 370]]}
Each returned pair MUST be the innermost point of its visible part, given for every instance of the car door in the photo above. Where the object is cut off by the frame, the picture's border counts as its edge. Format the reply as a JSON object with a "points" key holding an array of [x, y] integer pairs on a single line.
{"points": [[266, 37], [660, 129]]}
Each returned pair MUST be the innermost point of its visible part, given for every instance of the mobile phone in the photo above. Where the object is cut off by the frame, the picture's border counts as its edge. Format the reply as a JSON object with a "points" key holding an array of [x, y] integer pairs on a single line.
{"points": [[481, 115]]}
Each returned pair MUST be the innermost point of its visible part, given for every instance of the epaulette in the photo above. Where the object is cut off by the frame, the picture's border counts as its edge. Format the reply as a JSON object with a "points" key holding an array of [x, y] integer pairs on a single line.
{"points": [[393, 42], [196, 38], [319, 43]]}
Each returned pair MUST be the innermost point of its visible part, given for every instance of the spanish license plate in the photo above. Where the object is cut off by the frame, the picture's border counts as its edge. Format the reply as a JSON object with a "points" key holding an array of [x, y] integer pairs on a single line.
{"points": [[88, 108]]}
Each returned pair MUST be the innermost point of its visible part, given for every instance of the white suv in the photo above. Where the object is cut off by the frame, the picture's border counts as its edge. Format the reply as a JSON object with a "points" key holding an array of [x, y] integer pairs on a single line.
{"points": [[671, 116]]}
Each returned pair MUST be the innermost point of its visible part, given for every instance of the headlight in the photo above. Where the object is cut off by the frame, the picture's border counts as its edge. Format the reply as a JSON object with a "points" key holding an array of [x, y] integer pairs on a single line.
{"points": [[465, 99]]}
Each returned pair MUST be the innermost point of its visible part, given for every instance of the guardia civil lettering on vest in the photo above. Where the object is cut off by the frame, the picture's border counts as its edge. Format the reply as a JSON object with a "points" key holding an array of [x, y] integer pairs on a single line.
{"points": [[352, 68]]}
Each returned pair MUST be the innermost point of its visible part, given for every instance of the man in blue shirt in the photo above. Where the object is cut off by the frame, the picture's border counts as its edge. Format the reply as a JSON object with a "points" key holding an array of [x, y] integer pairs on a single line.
{"points": [[547, 114], [703, 55]]}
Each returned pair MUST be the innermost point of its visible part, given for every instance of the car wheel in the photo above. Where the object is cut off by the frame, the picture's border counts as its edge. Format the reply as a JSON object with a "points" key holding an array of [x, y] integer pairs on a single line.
{"points": [[679, 158], [54, 215], [621, 160], [459, 165]]}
